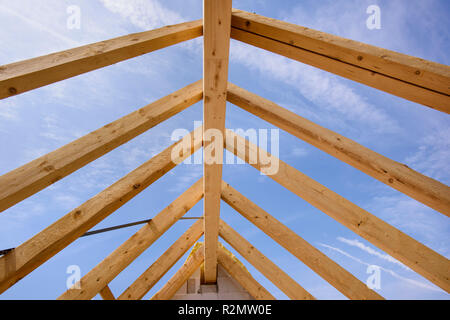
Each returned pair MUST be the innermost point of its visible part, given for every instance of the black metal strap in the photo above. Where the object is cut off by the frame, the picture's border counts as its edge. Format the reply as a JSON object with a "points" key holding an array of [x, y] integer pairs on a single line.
{"points": [[89, 233]]}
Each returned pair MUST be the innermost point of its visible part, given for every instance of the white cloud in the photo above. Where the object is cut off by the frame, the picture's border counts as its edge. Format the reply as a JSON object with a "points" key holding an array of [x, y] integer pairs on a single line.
{"points": [[148, 15], [389, 271], [325, 90], [190, 174], [369, 250], [413, 218], [348, 19], [335, 99], [299, 152], [39, 26], [53, 130], [67, 201], [144, 14], [8, 111], [433, 155]]}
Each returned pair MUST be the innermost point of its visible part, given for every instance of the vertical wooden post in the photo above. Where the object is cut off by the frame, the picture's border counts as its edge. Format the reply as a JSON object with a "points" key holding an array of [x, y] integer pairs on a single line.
{"points": [[216, 31]]}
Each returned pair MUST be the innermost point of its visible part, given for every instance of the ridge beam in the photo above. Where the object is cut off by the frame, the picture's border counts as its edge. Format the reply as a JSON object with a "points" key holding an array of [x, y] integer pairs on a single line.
{"points": [[216, 47]]}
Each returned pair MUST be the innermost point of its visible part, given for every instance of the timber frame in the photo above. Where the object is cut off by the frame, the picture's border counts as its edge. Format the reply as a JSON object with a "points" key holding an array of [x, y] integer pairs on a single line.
{"points": [[411, 78]]}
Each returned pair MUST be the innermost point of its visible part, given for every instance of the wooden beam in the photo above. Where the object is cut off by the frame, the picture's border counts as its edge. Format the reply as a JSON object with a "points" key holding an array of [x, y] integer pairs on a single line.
{"points": [[38, 174], [412, 253], [121, 258], [158, 269], [192, 263], [216, 46], [415, 79], [31, 254], [270, 270], [396, 175], [107, 294], [237, 270], [19, 77], [329, 270]]}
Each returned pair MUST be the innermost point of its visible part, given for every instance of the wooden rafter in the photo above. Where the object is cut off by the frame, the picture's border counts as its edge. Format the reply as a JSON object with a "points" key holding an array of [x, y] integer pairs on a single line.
{"points": [[412, 253], [159, 268], [396, 175], [270, 270], [38, 174], [31, 254], [241, 275], [216, 37], [193, 262], [329, 270], [415, 79], [19, 77], [119, 259], [408, 77], [107, 294]]}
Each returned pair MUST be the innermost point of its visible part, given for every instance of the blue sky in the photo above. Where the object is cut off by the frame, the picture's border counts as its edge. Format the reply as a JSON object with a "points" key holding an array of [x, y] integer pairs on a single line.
{"points": [[37, 122]]}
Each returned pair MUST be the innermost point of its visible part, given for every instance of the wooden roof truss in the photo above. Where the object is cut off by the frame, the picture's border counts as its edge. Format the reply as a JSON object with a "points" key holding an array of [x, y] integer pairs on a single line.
{"points": [[414, 79]]}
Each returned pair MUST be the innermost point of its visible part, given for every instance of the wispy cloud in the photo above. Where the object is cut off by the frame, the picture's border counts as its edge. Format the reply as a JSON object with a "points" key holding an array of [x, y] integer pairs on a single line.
{"points": [[433, 155], [8, 111], [40, 26], [67, 201], [327, 91], [335, 99], [299, 152], [348, 19], [148, 15], [389, 271], [369, 250], [413, 218], [186, 177], [145, 14], [51, 129]]}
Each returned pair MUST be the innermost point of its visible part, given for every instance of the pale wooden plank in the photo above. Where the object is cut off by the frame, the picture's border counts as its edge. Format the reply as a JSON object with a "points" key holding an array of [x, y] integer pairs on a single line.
{"points": [[192, 263], [121, 258], [237, 270], [159, 268], [412, 78], [216, 45], [431, 75], [38, 174], [396, 175], [31, 254], [258, 260], [19, 77], [402, 247], [107, 294], [329, 270]]}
